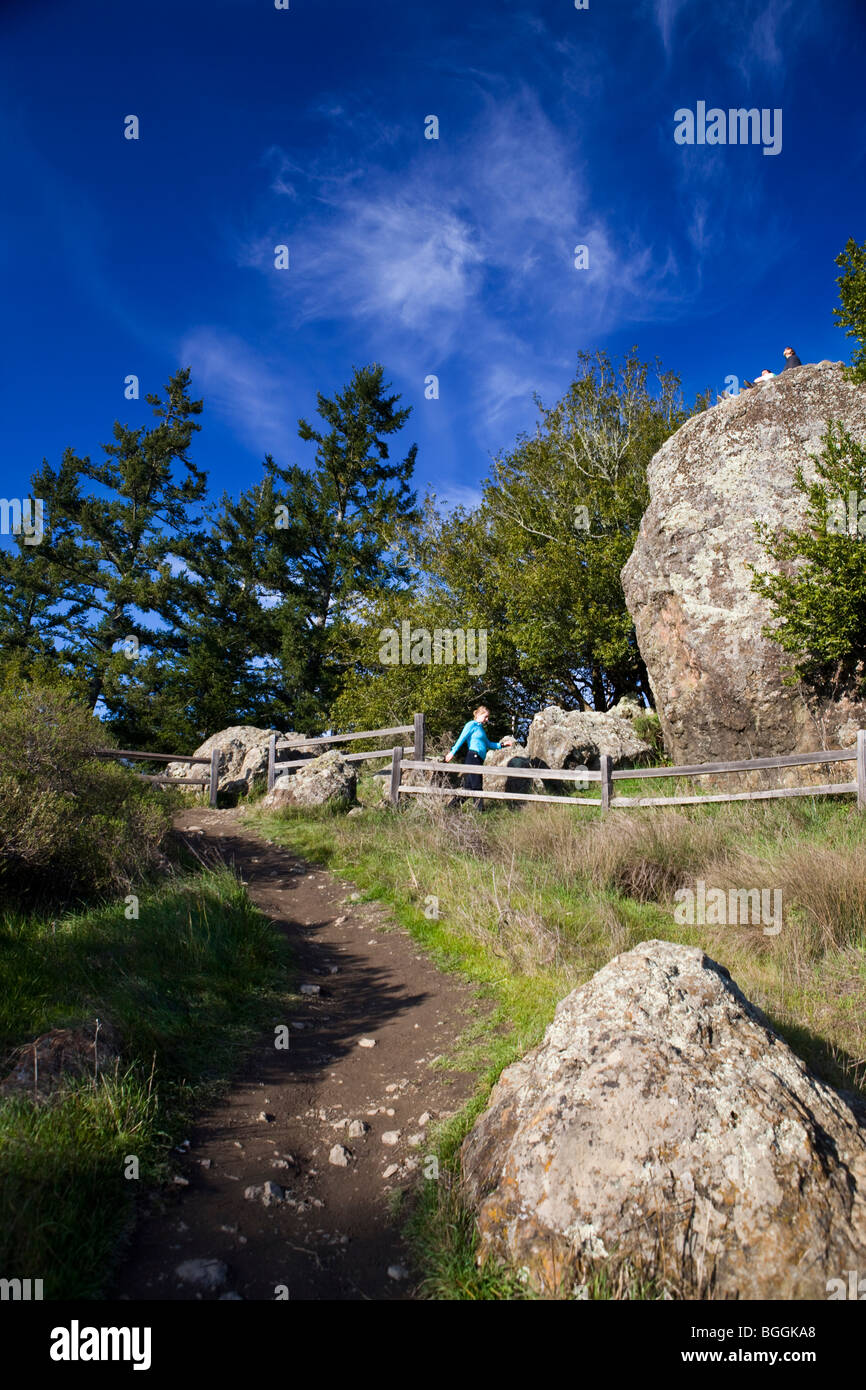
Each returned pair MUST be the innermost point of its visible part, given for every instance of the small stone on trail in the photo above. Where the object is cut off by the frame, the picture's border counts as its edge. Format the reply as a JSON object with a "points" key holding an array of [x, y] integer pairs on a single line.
{"points": [[391, 1170], [339, 1156], [391, 1136], [398, 1272], [367, 1042], [356, 1129], [425, 1118], [271, 1193], [252, 1194], [311, 989], [263, 1115]]}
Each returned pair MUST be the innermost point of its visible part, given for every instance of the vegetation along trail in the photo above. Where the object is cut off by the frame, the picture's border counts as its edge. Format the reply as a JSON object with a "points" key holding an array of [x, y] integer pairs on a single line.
{"points": [[336, 1123]]}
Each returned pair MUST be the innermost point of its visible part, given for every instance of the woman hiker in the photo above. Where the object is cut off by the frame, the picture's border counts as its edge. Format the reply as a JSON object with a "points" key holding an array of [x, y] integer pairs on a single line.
{"points": [[479, 744]]}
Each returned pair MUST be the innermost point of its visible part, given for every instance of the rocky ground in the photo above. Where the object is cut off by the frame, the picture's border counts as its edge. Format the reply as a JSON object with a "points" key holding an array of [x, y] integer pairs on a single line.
{"points": [[288, 1188]]}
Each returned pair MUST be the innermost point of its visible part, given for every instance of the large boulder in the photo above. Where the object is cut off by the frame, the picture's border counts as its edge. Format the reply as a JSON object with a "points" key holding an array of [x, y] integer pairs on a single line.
{"points": [[324, 781], [717, 681], [577, 738], [662, 1120], [243, 753]]}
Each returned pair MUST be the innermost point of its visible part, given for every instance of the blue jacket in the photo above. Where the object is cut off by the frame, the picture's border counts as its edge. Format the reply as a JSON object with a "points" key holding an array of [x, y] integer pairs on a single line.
{"points": [[478, 741]]}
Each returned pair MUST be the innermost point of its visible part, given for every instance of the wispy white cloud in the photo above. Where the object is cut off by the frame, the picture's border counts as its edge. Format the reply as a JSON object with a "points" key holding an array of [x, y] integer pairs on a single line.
{"points": [[467, 247], [666, 13], [244, 389]]}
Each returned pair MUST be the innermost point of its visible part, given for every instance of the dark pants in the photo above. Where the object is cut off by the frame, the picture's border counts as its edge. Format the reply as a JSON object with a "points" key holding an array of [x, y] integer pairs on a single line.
{"points": [[472, 781]]}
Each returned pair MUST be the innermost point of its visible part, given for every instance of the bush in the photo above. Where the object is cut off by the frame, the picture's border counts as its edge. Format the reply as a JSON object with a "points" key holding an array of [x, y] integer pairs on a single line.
{"points": [[71, 825]]}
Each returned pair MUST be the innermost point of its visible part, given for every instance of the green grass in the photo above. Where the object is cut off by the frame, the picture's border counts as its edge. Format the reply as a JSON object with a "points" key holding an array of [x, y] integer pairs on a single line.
{"points": [[186, 988], [531, 904]]}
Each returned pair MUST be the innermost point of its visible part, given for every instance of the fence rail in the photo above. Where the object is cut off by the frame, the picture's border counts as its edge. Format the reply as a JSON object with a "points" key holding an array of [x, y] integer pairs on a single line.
{"points": [[275, 745], [211, 781], [606, 776]]}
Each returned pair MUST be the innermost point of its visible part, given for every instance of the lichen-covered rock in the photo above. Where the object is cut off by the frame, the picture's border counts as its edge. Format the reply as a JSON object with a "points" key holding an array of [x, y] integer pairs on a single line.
{"points": [[577, 738], [717, 681], [243, 753], [663, 1120], [324, 781]]}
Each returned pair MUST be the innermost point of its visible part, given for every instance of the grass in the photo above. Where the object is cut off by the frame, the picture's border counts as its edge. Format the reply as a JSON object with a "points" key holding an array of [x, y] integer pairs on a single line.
{"points": [[185, 988], [529, 905]]}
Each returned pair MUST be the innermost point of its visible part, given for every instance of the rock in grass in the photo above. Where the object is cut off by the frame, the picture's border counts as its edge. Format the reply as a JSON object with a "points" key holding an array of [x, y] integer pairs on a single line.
{"points": [[206, 1276], [662, 1119]]}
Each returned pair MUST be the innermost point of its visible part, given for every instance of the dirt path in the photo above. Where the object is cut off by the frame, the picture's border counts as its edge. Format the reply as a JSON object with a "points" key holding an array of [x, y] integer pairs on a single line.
{"points": [[328, 1232]]}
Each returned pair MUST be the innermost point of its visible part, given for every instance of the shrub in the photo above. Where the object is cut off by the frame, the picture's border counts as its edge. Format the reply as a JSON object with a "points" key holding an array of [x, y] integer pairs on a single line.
{"points": [[71, 825]]}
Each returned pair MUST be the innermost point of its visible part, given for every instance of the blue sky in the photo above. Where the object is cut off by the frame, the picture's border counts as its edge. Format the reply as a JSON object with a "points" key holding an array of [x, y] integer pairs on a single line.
{"points": [[260, 127]]}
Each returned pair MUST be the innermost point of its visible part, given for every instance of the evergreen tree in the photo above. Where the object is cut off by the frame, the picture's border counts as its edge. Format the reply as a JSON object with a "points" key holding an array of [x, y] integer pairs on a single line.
{"points": [[852, 293], [818, 594], [312, 544], [114, 530]]}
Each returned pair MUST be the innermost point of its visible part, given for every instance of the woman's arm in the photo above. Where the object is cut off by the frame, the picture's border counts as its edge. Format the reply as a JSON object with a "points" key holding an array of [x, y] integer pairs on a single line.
{"points": [[461, 740]]}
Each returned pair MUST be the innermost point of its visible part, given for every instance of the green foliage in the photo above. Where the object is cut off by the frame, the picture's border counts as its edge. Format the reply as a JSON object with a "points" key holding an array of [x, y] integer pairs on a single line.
{"points": [[649, 727], [185, 988], [852, 293], [563, 509], [313, 544], [71, 824], [535, 568], [818, 594]]}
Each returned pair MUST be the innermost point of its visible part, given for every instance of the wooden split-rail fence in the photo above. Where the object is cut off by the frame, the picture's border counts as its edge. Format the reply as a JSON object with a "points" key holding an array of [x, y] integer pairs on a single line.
{"points": [[212, 763], [607, 776], [298, 745]]}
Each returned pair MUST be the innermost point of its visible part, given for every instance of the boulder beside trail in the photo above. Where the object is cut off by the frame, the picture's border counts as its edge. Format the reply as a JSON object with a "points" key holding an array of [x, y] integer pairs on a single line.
{"points": [[718, 681], [577, 738], [324, 781], [243, 751], [663, 1121]]}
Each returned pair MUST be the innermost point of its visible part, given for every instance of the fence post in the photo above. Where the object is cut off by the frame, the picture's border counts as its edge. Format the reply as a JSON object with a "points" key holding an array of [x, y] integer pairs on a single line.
{"points": [[419, 738], [272, 759], [861, 769], [606, 782], [396, 773], [214, 775]]}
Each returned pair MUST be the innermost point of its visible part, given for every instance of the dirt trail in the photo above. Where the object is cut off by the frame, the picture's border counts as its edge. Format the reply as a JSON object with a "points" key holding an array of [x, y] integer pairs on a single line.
{"points": [[331, 1236]]}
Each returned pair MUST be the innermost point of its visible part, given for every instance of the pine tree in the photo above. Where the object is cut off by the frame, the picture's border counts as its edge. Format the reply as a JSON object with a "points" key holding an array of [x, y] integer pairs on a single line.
{"points": [[115, 529], [313, 543]]}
